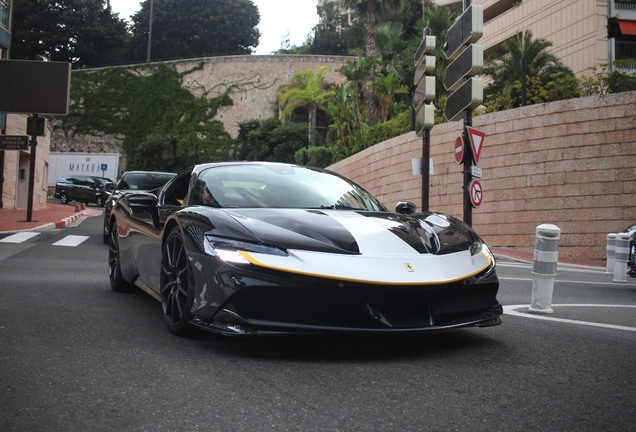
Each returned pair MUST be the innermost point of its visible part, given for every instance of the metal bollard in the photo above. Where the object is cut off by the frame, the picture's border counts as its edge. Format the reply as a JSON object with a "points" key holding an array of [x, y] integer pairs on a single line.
{"points": [[611, 249], [621, 257], [546, 256]]}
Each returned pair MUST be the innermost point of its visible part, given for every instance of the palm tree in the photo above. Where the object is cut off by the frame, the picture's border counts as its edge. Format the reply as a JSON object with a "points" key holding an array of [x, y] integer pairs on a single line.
{"points": [[386, 88], [371, 9], [356, 73], [307, 89], [505, 69]]}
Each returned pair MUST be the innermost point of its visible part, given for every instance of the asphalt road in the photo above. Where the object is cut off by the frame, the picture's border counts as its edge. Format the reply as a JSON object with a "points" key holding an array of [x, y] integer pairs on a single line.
{"points": [[75, 356]]}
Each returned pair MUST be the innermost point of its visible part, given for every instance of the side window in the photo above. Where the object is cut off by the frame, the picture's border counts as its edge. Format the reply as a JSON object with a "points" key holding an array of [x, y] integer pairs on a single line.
{"points": [[202, 195], [90, 182], [175, 193]]}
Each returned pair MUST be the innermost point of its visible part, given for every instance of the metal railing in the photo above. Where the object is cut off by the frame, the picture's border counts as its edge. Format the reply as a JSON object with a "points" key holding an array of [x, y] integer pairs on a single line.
{"points": [[625, 5], [626, 50]]}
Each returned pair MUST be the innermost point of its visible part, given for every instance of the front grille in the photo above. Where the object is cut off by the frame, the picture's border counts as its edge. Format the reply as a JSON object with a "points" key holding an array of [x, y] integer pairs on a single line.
{"points": [[368, 307]]}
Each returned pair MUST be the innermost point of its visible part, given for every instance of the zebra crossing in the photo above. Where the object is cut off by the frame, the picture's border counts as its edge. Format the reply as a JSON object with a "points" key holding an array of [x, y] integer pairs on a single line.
{"points": [[21, 237]]}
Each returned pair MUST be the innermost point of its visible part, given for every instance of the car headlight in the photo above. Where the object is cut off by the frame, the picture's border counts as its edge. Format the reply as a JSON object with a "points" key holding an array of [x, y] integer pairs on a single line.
{"points": [[480, 246], [229, 250]]}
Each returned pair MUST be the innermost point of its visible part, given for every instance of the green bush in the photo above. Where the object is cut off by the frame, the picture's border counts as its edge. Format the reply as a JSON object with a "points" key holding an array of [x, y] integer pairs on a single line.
{"points": [[315, 156]]}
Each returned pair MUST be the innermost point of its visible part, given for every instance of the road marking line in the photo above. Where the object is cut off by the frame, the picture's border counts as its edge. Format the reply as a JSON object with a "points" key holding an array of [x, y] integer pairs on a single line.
{"points": [[19, 237], [71, 241], [510, 310]]}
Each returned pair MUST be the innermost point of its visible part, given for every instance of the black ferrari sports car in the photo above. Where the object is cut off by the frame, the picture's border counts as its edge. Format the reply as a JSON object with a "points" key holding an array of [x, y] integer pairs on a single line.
{"points": [[246, 248]]}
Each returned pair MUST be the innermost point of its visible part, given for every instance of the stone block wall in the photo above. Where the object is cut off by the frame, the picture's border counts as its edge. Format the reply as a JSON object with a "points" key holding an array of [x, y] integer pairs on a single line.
{"points": [[256, 79], [570, 163]]}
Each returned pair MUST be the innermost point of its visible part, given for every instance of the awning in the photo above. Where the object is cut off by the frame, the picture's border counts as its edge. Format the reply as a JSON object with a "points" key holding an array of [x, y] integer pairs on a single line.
{"points": [[627, 27]]}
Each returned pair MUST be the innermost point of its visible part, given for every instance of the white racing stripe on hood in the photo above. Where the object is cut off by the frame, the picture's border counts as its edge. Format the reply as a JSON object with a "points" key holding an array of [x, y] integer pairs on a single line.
{"points": [[372, 235]]}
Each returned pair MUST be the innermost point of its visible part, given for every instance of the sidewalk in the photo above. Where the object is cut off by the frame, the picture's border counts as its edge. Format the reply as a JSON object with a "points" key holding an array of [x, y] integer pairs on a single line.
{"points": [[53, 217]]}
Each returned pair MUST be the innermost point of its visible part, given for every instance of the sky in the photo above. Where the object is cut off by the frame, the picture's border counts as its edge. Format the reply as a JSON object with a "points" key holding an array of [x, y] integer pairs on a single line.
{"points": [[277, 17]]}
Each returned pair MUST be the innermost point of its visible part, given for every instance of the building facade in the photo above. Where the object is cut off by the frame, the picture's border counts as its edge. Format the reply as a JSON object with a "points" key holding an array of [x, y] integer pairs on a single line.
{"points": [[15, 164], [584, 33]]}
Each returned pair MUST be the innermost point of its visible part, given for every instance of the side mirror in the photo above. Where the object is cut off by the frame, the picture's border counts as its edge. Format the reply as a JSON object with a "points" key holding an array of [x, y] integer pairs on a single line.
{"points": [[405, 208]]}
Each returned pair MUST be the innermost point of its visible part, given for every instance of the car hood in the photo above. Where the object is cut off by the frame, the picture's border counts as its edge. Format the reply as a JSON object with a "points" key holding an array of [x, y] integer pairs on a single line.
{"points": [[356, 232]]}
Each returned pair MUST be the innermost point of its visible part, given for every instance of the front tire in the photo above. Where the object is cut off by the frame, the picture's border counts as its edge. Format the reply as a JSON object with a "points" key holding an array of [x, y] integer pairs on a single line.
{"points": [[117, 282], [177, 294]]}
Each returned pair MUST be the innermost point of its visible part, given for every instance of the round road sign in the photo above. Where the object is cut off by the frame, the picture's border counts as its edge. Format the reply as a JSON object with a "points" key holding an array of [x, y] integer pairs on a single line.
{"points": [[476, 193], [459, 149]]}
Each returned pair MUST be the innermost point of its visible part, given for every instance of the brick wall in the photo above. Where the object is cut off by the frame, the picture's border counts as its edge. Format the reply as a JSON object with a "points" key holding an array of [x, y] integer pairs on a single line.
{"points": [[570, 163]]}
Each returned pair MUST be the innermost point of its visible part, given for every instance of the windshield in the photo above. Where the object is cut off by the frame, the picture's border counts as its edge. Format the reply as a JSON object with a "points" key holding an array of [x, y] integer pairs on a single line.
{"points": [[143, 181], [280, 186]]}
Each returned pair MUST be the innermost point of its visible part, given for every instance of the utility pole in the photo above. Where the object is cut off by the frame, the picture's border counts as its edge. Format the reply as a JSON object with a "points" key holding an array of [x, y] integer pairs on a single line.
{"points": [[150, 32]]}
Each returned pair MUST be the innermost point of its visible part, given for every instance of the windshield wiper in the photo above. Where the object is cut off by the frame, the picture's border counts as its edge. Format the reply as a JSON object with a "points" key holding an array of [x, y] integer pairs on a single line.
{"points": [[337, 207]]}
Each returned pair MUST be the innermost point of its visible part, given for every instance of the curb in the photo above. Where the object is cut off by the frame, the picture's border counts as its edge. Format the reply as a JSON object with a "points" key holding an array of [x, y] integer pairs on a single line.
{"points": [[59, 224]]}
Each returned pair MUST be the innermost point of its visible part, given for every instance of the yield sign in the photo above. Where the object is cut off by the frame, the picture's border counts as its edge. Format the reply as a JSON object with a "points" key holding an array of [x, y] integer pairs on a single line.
{"points": [[476, 138], [476, 193]]}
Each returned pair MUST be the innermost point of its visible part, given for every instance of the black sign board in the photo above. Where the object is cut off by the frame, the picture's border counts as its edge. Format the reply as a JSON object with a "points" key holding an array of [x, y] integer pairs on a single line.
{"points": [[35, 87], [467, 29], [467, 64], [14, 142], [468, 97]]}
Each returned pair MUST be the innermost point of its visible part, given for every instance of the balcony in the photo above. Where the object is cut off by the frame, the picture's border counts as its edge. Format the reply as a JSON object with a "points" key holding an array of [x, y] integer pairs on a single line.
{"points": [[625, 50], [623, 9]]}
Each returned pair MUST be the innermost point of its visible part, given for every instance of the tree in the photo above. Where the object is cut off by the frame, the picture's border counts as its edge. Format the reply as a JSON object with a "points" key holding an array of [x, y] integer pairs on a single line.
{"points": [[164, 126], [356, 73], [505, 69], [195, 28], [81, 32], [371, 9], [306, 89], [386, 88]]}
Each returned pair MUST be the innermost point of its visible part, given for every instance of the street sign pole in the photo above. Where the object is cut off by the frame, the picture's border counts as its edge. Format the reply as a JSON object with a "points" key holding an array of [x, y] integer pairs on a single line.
{"points": [[426, 155], [468, 162]]}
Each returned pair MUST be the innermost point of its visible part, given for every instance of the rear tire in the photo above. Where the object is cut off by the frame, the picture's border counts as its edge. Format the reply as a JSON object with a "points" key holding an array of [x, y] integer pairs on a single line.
{"points": [[100, 201], [63, 198], [177, 293], [117, 282]]}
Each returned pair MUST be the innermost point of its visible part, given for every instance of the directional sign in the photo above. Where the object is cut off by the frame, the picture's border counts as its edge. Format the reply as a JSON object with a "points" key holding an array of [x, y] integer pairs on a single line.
{"points": [[469, 96], [476, 138], [426, 47], [425, 119], [459, 150], [476, 193], [468, 64], [468, 28], [427, 67], [14, 142], [425, 92]]}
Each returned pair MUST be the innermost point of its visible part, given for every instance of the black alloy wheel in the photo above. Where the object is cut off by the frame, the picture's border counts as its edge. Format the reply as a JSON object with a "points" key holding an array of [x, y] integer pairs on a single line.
{"points": [[117, 282], [177, 295], [100, 201], [63, 198]]}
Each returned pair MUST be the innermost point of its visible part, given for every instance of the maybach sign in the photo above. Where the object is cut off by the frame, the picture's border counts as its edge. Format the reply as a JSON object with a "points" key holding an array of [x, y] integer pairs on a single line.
{"points": [[84, 167]]}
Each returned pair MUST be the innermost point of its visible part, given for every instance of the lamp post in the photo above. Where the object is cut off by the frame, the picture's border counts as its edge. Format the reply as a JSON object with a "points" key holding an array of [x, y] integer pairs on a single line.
{"points": [[152, 3]]}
